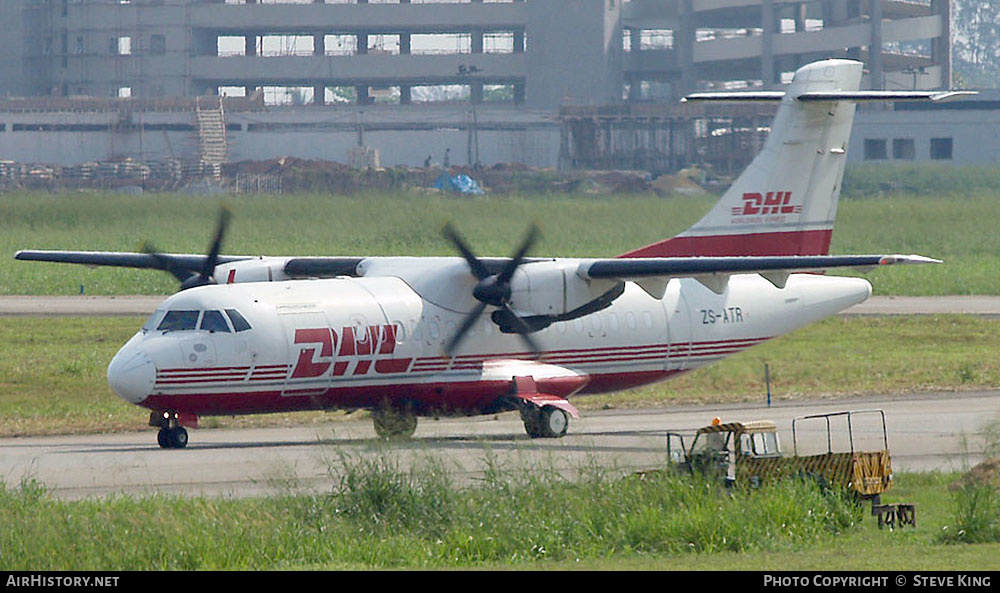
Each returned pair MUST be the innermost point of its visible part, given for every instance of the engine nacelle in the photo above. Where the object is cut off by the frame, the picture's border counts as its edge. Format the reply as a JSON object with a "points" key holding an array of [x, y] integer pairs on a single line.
{"points": [[257, 269], [553, 290]]}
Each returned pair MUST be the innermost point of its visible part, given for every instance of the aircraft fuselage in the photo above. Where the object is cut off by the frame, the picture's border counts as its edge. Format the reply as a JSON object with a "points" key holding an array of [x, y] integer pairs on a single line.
{"points": [[364, 342]]}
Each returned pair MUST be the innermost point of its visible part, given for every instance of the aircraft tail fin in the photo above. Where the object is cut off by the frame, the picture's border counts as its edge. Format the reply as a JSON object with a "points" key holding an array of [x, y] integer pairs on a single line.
{"points": [[785, 202]]}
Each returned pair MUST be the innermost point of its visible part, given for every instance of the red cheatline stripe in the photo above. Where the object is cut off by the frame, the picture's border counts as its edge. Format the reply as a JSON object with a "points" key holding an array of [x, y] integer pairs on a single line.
{"points": [[573, 354], [577, 356], [206, 369], [706, 348], [220, 371], [614, 354], [625, 378], [203, 373], [193, 381], [604, 356]]}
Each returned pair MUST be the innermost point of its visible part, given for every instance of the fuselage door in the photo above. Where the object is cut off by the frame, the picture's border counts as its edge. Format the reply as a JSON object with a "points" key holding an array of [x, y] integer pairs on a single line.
{"points": [[678, 327], [311, 350]]}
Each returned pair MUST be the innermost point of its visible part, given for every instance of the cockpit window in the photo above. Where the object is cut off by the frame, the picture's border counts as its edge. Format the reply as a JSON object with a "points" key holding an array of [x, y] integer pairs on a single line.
{"points": [[153, 320], [179, 320], [239, 322], [213, 321]]}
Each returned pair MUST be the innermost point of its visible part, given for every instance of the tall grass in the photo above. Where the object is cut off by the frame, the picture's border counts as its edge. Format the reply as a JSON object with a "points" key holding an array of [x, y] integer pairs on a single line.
{"points": [[923, 179], [382, 516], [955, 226], [976, 517]]}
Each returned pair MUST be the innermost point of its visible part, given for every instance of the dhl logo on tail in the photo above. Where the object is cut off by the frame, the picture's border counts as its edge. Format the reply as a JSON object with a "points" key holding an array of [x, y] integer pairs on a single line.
{"points": [[773, 202]]}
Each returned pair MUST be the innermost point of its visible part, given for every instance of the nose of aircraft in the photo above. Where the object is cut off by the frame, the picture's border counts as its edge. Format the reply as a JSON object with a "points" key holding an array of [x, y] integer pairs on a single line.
{"points": [[131, 374]]}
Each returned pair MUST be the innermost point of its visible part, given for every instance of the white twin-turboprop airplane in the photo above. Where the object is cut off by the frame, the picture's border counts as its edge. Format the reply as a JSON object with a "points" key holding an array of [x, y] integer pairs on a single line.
{"points": [[407, 336]]}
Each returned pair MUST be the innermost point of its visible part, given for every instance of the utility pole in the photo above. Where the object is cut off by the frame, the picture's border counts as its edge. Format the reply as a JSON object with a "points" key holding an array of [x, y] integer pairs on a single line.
{"points": [[466, 72]]}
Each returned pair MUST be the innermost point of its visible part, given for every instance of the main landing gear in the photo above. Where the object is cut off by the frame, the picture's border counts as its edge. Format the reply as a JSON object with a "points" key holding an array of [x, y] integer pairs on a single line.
{"points": [[547, 422], [172, 435]]}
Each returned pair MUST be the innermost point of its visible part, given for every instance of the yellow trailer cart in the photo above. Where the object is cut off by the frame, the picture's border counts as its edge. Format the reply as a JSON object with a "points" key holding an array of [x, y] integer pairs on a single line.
{"points": [[750, 453]]}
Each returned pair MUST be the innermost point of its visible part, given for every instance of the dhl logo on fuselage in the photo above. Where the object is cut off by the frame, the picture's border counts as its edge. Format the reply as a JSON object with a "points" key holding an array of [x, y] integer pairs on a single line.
{"points": [[770, 203], [373, 344]]}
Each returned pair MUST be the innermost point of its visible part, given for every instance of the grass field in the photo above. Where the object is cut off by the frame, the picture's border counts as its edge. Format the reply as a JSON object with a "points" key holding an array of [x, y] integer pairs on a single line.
{"points": [[379, 516], [959, 230], [53, 380]]}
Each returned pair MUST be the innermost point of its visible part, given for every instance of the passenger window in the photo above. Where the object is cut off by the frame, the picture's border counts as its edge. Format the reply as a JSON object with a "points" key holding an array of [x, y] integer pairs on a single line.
{"points": [[179, 320], [213, 321], [239, 322]]}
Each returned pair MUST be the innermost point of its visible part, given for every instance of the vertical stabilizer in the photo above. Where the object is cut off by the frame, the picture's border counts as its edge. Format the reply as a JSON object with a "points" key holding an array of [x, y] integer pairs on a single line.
{"points": [[785, 202]]}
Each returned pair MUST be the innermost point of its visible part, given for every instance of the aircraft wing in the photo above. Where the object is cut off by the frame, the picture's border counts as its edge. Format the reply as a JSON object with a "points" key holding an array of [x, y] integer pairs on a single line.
{"points": [[121, 259], [652, 273]]}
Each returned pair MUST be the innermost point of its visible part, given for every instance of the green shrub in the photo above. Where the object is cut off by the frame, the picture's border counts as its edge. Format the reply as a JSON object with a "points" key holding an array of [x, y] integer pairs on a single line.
{"points": [[977, 515]]}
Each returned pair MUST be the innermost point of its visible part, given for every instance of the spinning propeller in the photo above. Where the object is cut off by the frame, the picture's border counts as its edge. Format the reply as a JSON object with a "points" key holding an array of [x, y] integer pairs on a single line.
{"points": [[493, 290], [175, 267]]}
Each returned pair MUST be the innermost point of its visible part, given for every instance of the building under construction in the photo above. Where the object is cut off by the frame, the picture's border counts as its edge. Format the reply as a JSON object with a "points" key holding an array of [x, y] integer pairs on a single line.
{"points": [[567, 83]]}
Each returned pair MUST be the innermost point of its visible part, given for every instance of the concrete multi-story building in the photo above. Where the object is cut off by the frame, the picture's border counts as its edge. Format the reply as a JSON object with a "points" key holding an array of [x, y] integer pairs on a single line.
{"points": [[488, 73]]}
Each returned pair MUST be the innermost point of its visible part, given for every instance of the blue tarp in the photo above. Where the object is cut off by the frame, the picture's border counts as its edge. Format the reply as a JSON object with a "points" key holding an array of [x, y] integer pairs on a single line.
{"points": [[462, 184]]}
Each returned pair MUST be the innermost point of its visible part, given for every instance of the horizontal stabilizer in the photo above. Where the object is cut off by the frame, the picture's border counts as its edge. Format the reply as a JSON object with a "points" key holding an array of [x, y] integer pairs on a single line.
{"points": [[873, 96], [737, 96], [819, 96]]}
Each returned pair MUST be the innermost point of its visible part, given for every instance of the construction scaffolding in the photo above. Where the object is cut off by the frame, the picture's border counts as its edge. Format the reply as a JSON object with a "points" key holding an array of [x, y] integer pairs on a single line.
{"points": [[662, 138]]}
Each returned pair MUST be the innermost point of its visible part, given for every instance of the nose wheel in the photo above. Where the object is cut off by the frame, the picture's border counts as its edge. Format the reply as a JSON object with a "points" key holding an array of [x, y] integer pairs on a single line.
{"points": [[172, 438], [171, 435]]}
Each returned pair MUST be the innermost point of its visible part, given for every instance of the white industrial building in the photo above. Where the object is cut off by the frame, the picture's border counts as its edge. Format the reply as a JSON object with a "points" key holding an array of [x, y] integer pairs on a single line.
{"points": [[486, 81]]}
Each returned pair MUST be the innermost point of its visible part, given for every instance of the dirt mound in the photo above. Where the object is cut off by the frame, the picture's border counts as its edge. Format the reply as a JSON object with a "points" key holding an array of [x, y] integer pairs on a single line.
{"points": [[503, 178], [291, 174], [986, 473]]}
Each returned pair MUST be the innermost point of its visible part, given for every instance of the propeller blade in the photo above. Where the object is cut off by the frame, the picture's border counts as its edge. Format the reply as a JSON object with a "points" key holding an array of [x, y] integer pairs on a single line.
{"points": [[493, 290], [529, 240], [477, 267], [536, 352], [523, 330], [467, 324], [186, 276], [225, 214], [166, 263]]}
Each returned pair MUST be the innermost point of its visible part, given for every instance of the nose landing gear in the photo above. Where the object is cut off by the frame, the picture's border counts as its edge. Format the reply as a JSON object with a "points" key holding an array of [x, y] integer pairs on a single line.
{"points": [[172, 435]]}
